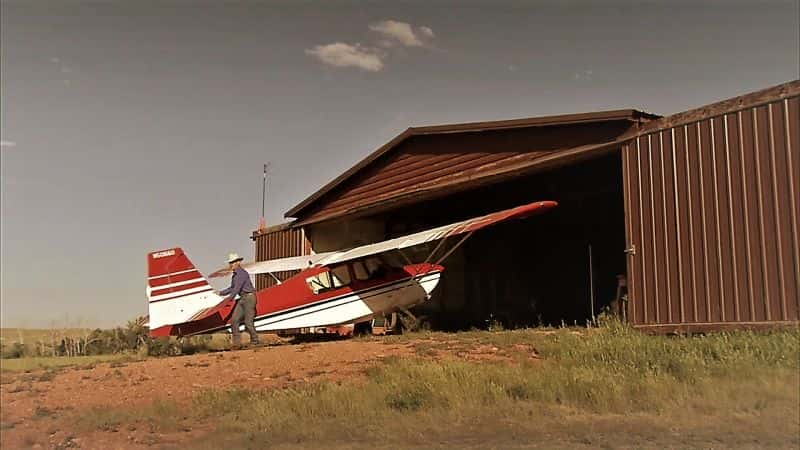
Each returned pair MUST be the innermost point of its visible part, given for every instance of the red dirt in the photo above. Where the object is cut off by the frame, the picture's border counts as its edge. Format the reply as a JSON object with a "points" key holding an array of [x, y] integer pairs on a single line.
{"points": [[40, 414]]}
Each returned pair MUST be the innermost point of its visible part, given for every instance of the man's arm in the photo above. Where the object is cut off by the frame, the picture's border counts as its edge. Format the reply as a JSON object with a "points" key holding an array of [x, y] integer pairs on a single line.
{"points": [[237, 283], [225, 292]]}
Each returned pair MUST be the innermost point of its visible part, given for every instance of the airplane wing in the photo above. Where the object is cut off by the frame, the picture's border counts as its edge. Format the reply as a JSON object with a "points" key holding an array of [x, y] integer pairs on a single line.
{"points": [[465, 226], [275, 265]]}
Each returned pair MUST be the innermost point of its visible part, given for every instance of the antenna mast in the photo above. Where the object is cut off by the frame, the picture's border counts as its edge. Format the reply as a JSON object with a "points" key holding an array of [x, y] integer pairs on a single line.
{"points": [[261, 222]]}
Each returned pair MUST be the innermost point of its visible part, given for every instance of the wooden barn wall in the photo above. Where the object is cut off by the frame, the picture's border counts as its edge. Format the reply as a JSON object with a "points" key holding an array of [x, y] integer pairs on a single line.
{"points": [[282, 243], [712, 212]]}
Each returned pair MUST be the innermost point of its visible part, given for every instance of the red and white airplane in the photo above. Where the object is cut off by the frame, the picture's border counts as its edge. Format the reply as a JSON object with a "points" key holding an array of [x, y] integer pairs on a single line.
{"points": [[334, 288]]}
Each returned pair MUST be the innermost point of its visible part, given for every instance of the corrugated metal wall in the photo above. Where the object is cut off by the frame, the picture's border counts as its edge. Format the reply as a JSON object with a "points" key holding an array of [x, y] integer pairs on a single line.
{"points": [[712, 211], [279, 242]]}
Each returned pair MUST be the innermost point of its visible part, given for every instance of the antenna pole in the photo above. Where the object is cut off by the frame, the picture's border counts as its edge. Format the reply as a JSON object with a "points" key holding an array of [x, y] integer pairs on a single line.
{"points": [[264, 191], [262, 223]]}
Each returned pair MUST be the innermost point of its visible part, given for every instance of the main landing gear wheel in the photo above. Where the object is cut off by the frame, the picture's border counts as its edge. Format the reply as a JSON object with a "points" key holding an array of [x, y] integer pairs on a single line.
{"points": [[410, 322]]}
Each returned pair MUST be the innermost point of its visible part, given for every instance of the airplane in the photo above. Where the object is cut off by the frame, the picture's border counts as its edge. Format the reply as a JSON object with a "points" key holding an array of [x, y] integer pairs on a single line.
{"points": [[332, 288]]}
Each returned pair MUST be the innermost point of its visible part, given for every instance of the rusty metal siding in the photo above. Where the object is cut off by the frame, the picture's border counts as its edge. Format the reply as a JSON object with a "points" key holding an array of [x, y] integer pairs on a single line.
{"points": [[712, 212], [429, 162], [279, 242]]}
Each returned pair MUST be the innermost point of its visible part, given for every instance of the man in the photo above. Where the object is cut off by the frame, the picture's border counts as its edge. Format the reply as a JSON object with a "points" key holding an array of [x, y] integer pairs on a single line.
{"points": [[245, 309]]}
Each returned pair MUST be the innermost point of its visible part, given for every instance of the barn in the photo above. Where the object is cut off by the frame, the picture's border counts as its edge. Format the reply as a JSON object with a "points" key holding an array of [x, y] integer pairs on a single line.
{"points": [[679, 223]]}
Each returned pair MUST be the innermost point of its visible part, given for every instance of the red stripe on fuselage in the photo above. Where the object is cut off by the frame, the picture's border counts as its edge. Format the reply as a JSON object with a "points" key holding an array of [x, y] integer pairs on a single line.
{"points": [[179, 295], [181, 288], [169, 279]]}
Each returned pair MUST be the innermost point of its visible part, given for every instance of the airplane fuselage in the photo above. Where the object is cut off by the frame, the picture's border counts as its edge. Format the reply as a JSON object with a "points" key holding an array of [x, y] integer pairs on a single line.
{"points": [[324, 296]]}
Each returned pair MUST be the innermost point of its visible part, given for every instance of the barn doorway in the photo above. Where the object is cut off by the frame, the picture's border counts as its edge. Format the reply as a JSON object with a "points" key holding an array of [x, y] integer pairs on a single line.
{"points": [[553, 269]]}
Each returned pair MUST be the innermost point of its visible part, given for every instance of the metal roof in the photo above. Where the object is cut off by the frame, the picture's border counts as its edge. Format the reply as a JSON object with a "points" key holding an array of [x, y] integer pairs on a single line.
{"points": [[630, 115]]}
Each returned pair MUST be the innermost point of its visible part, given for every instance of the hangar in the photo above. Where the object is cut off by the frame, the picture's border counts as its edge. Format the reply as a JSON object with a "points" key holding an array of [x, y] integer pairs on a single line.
{"points": [[695, 214]]}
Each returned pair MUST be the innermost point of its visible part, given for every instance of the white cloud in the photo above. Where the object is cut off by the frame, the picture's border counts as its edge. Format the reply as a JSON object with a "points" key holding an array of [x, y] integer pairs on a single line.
{"points": [[340, 54], [402, 32], [6, 144], [371, 58]]}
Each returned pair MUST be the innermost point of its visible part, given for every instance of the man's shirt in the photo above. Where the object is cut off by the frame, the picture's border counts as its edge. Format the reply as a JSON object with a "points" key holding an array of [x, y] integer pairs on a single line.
{"points": [[240, 284]]}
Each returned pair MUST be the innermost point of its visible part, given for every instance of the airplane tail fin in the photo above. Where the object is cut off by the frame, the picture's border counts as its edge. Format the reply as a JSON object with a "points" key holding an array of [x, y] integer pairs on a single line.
{"points": [[176, 290]]}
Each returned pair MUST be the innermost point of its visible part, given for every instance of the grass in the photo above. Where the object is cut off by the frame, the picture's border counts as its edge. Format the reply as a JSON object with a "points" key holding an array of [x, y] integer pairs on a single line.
{"points": [[158, 416], [612, 384], [47, 362]]}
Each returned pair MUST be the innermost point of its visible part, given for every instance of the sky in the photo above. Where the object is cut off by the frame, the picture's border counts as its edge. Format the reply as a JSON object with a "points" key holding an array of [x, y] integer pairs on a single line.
{"points": [[133, 126]]}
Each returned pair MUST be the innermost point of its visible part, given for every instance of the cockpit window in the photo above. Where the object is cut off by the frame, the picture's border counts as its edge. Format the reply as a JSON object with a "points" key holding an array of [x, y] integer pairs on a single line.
{"points": [[360, 271], [319, 282], [375, 266], [367, 269], [341, 276], [393, 260]]}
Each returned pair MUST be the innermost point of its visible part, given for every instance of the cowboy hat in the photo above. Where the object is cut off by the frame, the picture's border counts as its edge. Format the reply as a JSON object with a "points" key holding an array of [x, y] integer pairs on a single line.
{"points": [[233, 257]]}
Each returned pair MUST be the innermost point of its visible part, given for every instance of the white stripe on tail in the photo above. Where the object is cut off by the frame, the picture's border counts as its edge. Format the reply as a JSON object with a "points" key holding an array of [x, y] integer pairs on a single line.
{"points": [[176, 290]]}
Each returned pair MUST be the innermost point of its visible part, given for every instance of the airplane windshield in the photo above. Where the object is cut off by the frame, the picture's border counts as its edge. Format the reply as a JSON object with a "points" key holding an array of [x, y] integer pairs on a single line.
{"points": [[337, 277], [319, 282]]}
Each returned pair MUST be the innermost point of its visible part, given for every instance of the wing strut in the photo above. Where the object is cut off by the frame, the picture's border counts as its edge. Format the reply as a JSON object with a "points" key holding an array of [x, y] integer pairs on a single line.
{"points": [[458, 244], [435, 250], [405, 257], [274, 277], [438, 246]]}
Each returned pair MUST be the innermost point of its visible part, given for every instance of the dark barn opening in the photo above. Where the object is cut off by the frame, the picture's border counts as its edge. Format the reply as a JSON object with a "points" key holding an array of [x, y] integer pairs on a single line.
{"points": [[534, 271]]}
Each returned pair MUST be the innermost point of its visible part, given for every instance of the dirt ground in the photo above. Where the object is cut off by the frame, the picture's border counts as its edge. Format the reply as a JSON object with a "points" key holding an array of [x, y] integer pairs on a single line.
{"points": [[38, 408]]}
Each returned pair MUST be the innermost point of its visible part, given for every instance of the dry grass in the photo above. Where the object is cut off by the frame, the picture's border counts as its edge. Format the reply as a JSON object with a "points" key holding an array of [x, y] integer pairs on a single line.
{"points": [[587, 388], [158, 416], [48, 362]]}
